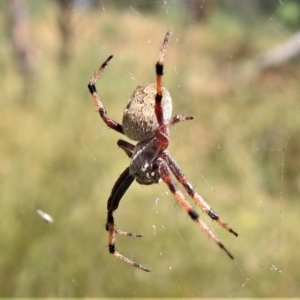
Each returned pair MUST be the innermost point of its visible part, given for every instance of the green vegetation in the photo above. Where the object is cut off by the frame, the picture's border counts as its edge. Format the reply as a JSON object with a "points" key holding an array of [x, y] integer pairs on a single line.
{"points": [[241, 152]]}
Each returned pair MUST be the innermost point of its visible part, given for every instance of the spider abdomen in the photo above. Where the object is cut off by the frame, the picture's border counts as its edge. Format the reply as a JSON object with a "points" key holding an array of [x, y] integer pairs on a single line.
{"points": [[139, 119]]}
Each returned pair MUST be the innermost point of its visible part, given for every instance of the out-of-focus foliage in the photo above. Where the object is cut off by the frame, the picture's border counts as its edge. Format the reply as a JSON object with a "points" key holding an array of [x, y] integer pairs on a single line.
{"points": [[290, 14], [241, 152]]}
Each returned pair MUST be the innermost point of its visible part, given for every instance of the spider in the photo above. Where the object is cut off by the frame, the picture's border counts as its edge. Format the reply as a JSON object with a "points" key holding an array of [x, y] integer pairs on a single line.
{"points": [[146, 119]]}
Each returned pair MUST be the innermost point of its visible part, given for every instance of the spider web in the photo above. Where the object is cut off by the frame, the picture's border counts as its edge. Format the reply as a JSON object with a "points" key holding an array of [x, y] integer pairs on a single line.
{"points": [[241, 152]]}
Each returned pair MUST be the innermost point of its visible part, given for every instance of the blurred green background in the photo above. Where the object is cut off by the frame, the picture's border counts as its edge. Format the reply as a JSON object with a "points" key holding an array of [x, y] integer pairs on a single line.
{"points": [[241, 151]]}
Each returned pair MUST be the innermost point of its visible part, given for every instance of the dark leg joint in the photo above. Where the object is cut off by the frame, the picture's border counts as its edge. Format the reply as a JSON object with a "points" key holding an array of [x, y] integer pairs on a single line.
{"points": [[193, 215], [111, 249], [109, 222], [92, 88], [102, 112], [213, 215], [159, 69], [158, 98]]}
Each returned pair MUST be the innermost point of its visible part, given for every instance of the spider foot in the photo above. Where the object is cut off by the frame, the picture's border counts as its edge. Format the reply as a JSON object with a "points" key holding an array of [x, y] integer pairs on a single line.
{"points": [[229, 229], [113, 251], [209, 232], [215, 217], [122, 232], [162, 53], [225, 249], [97, 74], [177, 119]]}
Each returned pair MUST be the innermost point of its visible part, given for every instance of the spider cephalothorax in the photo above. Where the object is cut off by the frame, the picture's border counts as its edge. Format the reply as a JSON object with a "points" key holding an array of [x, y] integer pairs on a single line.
{"points": [[146, 119]]}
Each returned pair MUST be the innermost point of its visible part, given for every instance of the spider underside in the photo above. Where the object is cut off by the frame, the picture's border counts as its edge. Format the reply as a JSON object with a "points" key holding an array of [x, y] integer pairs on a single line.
{"points": [[147, 119]]}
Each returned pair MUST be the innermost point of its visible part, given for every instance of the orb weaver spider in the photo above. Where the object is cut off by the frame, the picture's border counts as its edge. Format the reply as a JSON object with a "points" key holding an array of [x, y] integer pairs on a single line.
{"points": [[146, 119]]}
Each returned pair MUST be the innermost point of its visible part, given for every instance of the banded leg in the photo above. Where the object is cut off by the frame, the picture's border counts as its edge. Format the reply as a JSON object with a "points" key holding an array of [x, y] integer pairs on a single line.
{"points": [[119, 189], [92, 88], [192, 192], [176, 119], [165, 175], [159, 73]]}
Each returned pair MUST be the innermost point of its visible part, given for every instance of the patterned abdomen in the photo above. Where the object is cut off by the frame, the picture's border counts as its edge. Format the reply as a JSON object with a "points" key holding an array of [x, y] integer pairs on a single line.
{"points": [[139, 120]]}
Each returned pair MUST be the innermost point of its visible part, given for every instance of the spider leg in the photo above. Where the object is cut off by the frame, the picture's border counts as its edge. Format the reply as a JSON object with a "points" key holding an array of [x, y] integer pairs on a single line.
{"points": [[127, 147], [192, 192], [92, 88], [118, 190], [165, 175], [162, 139], [159, 73], [176, 119]]}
